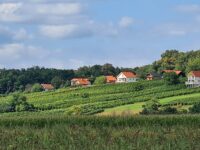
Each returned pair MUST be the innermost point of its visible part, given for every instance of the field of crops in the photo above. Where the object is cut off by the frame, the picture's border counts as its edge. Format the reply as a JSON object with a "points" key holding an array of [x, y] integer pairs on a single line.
{"points": [[33, 131], [90, 127], [97, 99]]}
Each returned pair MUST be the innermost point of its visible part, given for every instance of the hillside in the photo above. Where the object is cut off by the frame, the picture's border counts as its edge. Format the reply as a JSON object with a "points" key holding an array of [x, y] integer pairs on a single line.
{"points": [[97, 99]]}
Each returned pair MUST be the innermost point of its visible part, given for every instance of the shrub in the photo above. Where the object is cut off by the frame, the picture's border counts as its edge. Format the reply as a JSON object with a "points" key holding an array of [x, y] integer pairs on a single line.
{"points": [[169, 110], [100, 80], [171, 78], [57, 82], [19, 103], [195, 108], [36, 88]]}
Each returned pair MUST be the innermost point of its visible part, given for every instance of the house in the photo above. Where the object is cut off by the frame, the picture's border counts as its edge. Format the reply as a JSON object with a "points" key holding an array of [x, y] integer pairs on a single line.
{"points": [[80, 82], [193, 79], [178, 72], [110, 79], [47, 87], [153, 76], [126, 77]]}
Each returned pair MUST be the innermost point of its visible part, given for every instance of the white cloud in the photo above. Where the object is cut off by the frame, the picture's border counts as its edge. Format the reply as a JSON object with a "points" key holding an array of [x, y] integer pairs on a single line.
{"points": [[188, 8], [18, 51], [65, 31], [19, 55], [126, 22], [59, 9], [8, 12], [28, 12], [172, 30]]}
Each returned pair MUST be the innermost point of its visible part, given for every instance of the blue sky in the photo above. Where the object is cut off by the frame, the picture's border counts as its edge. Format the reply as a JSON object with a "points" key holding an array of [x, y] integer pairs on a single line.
{"points": [[72, 33]]}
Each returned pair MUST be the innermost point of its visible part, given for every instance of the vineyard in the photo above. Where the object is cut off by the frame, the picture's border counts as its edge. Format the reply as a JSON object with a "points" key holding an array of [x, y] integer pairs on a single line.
{"points": [[97, 99], [84, 118]]}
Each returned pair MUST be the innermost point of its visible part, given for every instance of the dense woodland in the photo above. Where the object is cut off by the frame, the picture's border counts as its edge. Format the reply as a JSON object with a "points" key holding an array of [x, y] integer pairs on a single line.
{"points": [[22, 79]]}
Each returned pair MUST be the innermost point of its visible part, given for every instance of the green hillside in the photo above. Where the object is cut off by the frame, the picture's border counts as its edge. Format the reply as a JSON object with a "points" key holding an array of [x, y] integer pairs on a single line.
{"points": [[97, 99]]}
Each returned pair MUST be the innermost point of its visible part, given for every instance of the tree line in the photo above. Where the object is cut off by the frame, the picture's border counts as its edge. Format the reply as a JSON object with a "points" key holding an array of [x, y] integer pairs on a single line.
{"points": [[12, 80]]}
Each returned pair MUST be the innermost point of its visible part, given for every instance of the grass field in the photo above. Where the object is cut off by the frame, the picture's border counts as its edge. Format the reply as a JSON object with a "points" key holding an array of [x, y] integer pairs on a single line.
{"points": [[124, 110], [108, 133]]}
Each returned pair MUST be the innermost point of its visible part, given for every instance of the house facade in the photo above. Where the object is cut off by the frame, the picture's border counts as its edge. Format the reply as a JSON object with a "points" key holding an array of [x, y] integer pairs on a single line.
{"points": [[47, 87], [127, 77], [80, 82], [193, 79], [111, 79]]}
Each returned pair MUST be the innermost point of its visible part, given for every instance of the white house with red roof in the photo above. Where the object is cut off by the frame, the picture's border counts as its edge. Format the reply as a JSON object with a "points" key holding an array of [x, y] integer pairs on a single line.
{"points": [[193, 79], [127, 77]]}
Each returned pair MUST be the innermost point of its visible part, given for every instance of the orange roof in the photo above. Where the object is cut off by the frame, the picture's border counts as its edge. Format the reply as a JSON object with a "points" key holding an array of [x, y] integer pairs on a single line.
{"points": [[110, 79], [195, 73], [129, 74], [47, 86], [82, 81], [178, 72]]}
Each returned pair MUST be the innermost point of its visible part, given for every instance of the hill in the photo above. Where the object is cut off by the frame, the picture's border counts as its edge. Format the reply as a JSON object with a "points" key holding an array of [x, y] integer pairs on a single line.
{"points": [[97, 99]]}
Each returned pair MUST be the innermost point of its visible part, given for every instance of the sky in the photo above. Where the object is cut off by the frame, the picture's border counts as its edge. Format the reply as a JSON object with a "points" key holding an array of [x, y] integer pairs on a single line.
{"points": [[68, 34]]}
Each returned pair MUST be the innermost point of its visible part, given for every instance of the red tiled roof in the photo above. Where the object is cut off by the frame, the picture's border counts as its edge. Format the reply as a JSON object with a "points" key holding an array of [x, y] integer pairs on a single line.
{"points": [[47, 86], [82, 81], [129, 74], [195, 73], [110, 79], [178, 72]]}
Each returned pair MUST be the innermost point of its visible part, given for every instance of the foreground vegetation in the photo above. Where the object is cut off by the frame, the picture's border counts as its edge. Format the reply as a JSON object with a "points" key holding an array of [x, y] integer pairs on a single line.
{"points": [[33, 131]]}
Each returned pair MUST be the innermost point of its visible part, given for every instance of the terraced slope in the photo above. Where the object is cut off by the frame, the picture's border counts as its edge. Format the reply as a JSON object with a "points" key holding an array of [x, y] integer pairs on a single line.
{"points": [[96, 99]]}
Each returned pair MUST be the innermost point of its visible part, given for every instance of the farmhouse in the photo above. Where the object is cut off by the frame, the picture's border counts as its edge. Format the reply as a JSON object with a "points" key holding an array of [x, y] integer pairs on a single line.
{"points": [[47, 87], [126, 77], [193, 79], [110, 79], [80, 82], [153, 76], [178, 72]]}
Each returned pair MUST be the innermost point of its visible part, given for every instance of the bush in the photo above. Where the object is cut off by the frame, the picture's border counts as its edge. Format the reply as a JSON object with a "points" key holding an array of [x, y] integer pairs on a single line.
{"points": [[57, 82], [195, 108], [19, 103], [36, 88], [100, 80], [169, 110], [171, 78]]}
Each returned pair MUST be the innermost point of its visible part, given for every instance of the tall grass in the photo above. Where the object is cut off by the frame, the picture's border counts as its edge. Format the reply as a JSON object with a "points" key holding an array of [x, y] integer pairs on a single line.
{"points": [[107, 133]]}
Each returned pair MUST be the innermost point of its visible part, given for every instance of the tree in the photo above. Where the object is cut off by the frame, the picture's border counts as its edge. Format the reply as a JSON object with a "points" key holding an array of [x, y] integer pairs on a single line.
{"points": [[57, 82], [36, 88], [19, 103], [108, 69], [151, 107], [193, 64], [171, 78], [100, 80]]}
